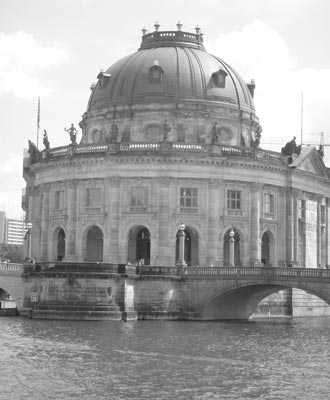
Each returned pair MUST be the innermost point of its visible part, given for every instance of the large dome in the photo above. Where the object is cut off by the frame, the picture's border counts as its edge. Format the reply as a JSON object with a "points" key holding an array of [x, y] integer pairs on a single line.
{"points": [[171, 81], [186, 72]]}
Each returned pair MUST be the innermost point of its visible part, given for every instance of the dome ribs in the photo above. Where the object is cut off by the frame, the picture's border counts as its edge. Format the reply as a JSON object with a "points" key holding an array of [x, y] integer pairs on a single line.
{"points": [[192, 72], [202, 72]]}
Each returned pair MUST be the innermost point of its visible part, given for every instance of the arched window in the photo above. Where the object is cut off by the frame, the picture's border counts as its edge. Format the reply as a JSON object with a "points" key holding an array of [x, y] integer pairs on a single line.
{"points": [[60, 245]]}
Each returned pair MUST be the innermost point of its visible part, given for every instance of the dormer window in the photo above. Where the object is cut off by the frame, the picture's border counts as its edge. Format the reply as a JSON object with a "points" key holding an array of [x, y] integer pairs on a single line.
{"points": [[103, 79], [155, 73], [219, 78]]}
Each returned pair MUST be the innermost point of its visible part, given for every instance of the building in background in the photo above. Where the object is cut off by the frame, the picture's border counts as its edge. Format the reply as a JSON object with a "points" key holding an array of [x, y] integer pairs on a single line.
{"points": [[12, 231]]}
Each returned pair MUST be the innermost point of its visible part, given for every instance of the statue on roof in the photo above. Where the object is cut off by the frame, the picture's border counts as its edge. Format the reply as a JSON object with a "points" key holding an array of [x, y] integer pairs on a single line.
{"points": [[45, 140], [215, 133], [166, 129], [114, 132], [291, 148], [73, 133], [34, 152]]}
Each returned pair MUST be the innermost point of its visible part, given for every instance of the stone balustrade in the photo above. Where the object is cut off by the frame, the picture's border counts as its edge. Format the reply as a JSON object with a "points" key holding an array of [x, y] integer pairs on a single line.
{"points": [[10, 268], [166, 148]]}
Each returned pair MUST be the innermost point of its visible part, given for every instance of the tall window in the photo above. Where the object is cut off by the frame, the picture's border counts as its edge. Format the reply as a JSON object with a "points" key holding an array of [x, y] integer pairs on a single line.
{"points": [[234, 201], [188, 199], [59, 200], [93, 197], [139, 198], [269, 203]]}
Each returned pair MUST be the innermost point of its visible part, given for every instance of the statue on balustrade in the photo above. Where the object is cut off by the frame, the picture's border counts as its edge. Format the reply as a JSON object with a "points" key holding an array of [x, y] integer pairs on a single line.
{"points": [[34, 152], [73, 133], [216, 132], [166, 129], [114, 132], [46, 141]]}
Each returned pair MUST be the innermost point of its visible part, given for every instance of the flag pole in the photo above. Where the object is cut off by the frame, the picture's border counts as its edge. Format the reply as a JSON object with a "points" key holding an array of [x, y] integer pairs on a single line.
{"points": [[38, 121], [301, 118]]}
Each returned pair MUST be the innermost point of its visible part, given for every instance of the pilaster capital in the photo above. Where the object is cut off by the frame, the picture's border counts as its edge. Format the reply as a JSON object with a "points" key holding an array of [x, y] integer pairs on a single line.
{"points": [[164, 181]]}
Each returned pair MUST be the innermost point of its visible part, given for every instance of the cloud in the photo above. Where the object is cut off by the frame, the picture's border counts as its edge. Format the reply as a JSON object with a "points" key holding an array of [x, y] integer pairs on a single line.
{"points": [[23, 61], [258, 51]]}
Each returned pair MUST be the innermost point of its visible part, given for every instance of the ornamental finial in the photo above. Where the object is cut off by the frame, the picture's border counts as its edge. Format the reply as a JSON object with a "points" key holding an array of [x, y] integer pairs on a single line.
{"points": [[179, 25], [198, 29], [156, 26], [144, 30]]}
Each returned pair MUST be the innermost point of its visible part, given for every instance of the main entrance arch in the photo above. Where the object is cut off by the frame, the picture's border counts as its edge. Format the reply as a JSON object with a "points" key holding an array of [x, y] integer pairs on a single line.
{"points": [[139, 245], [94, 244]]}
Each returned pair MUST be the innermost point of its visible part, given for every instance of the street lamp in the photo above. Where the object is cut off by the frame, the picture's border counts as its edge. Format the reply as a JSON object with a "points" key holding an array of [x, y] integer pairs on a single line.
{"points": [[181, 262], [232, 248], [29, 233]]}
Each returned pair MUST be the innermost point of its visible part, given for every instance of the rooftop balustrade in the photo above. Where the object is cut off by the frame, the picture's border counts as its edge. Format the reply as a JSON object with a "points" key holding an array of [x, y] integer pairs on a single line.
{"points": [[161, 148]]}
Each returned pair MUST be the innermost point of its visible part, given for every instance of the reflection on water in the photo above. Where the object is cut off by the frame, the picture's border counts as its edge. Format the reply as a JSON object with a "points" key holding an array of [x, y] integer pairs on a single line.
{"points": [[284, 359]]}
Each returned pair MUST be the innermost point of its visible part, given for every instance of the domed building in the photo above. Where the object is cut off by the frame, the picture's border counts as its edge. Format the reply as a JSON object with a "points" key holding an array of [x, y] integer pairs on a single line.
{"points": [[171, 136]]}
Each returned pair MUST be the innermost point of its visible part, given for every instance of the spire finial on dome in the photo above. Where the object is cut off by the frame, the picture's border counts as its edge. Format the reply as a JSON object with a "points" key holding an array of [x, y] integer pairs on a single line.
{"points": [[144, 30], [179, 25], [156, 26]]}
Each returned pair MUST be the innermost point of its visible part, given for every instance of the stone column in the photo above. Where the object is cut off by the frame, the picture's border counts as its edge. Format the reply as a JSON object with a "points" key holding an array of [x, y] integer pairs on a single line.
{"points": [[295, 212], [182, 237], [164, 241], [327, 232], [319, 233], [73, 209], [255, 242], [45, 246], [213, 222], [112, 250], [290, 228]]}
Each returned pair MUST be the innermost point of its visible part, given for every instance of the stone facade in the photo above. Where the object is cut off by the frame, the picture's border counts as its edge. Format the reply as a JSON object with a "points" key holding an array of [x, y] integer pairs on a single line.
{"points": [[170, 135]]}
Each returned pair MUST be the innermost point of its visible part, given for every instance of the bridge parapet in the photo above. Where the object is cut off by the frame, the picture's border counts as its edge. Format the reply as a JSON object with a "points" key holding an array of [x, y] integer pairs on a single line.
{"points": [[10, 269], [308, 274]]}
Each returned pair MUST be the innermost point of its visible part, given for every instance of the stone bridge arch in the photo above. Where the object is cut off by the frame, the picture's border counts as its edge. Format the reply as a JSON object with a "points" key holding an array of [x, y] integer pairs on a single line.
{"points": [[228, 300]]}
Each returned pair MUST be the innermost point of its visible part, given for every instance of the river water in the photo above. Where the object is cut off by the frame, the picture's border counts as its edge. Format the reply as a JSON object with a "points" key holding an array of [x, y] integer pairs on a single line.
{"points": [[282, 359]]}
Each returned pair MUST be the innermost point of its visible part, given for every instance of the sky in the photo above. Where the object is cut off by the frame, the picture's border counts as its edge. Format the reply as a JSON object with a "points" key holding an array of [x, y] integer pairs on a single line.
{"points": [[54, 49]]}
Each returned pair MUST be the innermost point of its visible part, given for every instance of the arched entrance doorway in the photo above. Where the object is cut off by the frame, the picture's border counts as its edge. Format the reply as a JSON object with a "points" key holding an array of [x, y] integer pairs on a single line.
{"points": [[60, 245], [139, 245], [226, 249], [94, 244], [190, 247]]}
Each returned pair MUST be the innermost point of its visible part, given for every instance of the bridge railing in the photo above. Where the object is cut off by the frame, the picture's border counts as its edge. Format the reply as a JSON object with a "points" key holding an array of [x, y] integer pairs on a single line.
{"points": [[262, 272], [10, 268]]}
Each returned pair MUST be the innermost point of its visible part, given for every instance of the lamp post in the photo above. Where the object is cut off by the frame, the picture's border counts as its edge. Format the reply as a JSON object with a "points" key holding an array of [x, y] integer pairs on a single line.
{"points": [[181, 262], [232, 248], [29, 233]]}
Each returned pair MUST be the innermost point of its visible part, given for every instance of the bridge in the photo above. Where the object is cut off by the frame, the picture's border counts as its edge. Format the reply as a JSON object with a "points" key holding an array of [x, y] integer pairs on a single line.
{"points": [[188, 293]]}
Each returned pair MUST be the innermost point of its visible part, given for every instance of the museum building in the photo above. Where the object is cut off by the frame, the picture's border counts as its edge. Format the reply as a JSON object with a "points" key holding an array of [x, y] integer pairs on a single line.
{"points": [[171, 136]]}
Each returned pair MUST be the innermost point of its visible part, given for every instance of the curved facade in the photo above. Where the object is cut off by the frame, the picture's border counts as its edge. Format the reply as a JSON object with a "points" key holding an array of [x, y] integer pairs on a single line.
{"points": [[170, 135]]}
